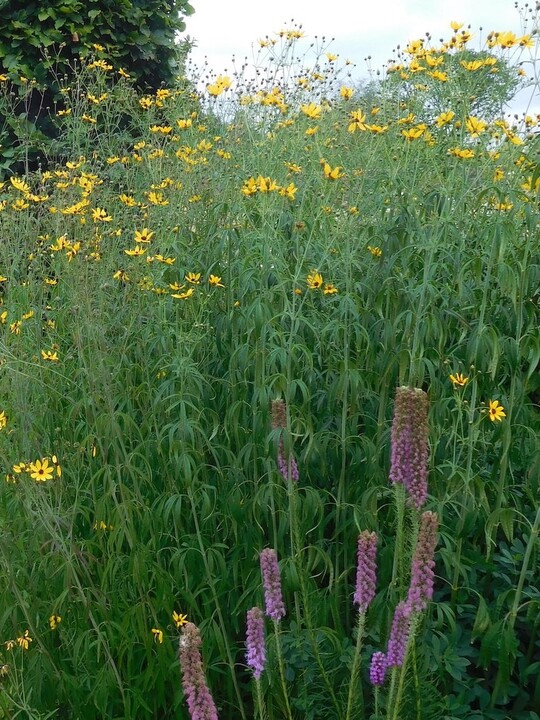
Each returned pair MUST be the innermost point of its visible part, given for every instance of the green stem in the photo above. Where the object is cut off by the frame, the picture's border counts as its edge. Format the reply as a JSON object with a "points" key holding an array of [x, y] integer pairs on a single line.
{"points": [[356, 667], [260, 713], [281, 666]]}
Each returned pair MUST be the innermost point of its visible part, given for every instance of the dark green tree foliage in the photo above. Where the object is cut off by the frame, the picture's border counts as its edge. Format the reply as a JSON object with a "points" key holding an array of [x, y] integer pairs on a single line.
{"points": [[43, 40]]}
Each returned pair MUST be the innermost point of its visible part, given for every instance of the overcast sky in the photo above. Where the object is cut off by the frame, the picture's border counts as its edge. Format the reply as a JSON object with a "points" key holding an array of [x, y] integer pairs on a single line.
{"points": [[223, 28]]}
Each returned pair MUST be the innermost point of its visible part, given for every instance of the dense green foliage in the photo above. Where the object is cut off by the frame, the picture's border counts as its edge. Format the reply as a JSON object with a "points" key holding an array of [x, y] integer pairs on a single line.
{"points": [[159, 292], [42, 43]]}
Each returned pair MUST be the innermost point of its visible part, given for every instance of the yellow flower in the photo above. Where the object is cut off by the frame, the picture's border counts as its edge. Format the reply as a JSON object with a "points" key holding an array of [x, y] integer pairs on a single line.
{"points": [[3, 419], [311, 111], [158, 635], [99, 214], [496, 411], [346, 92], [25, 640], [19, 185], [136, 251], [314, 280], [459, 380], [157, 198], [54, 621], [330, 289], [289, 191], [475, 126], [49, 355], [41, 471], [179, 619], [215, 281], [143, 236], [184, 295], [375, 251], [194, 278], [331, 173], [222, 83]]}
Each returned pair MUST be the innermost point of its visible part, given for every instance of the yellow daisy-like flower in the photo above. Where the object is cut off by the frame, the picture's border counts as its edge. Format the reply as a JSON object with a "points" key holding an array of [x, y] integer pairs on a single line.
{"points": [[49, 355], [143, 236], [136, 251], [215, 281], [496, 411], [184, 295], [330, 289], [459, 380], [179, 619], [25, 640], [331, 173], [54, 621], [314, 280], [158, 635], [3, 419], [41, 471], [194, 278]]}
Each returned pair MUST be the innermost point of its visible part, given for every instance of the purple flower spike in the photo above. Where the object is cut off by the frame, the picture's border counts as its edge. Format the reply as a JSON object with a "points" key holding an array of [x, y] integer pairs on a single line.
{"points": [[256, 649], [423, 564], [199, 700], [377, 670], [283, 464], [410, 447], [399, 636], [366, 571], [273, 599]]}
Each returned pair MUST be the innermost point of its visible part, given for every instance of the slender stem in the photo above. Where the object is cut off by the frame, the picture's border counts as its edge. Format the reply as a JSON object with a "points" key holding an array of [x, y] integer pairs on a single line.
{"points": [[260, 713], [281, 666], [356, 667]]}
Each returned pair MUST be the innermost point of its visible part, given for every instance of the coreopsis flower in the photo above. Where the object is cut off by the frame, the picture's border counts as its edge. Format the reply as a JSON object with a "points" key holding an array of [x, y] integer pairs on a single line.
{"points": [[25, 640], [377, 669], [410, 448], [199, 700], [215, 281], [496, 411], [178, 619], [423, 564], [314, 280], [255, 643], [459, 380], [54, 621], [475, 126], [19, 184], [399, 636], [274, 606], [41, 471], [366, 570], [143, 236], [3, 419], [331, 173], [311, 111], [158, 635], [49, 355]]}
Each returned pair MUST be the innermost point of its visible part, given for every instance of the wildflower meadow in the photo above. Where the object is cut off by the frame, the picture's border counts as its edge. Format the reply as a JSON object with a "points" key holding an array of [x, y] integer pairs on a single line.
{"points": [[269, 389]]}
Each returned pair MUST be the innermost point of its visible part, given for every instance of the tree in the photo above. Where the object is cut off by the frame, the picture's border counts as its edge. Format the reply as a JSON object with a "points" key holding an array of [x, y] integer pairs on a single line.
{"points": [[41, 41]]}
